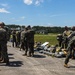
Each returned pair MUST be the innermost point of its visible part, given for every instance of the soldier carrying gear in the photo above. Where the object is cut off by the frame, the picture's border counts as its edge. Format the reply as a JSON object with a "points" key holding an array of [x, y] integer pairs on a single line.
{"points": [[60, 39], [70, 48], [3, 43], [66, 33], [73, 33]]}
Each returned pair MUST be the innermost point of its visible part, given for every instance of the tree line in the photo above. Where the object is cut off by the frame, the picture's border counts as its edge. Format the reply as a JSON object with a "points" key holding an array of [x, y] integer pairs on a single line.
{"points": [[38, 29]]}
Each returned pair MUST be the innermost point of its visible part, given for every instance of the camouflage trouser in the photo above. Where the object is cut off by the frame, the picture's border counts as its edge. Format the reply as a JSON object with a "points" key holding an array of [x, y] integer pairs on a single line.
{"points": [[4, 54], [26, 47], [60, 43], [31, 48], [22, 46], [64, 43], [70, 53], [0, 56]]}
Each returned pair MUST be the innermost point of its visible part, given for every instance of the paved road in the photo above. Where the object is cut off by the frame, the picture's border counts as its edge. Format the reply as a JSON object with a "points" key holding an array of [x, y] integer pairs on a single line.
{"points": [[40, 64]]}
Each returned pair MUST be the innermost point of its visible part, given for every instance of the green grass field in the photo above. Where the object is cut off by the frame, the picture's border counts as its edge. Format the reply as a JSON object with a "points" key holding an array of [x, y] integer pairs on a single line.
{"points": [[51, 38]]}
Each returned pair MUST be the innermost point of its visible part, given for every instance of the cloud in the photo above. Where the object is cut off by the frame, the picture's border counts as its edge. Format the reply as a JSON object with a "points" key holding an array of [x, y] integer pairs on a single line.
{"points": [[3, 10], [22, 17], [56, 15], [4, 5], [35, 2], [28, 2]]}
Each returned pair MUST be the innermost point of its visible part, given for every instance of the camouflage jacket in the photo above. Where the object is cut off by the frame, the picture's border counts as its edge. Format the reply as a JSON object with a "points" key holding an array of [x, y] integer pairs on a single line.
{"points": [[23, 35], [66, 34], [71, 43], [3, 36], [29, 36]]}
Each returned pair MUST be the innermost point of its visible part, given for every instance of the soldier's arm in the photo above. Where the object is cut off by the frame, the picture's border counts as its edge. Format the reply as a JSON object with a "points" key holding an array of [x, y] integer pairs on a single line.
{"points": [[71, 35], [21, 35]]}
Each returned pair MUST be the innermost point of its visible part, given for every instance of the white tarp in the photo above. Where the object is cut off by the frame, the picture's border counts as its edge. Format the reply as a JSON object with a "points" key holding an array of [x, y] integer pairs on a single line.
{"points": [[44, 44]]}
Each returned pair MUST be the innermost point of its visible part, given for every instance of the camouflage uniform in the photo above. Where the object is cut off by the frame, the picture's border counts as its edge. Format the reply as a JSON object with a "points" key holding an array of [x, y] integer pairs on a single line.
{"points": [[71, 47], [18, 38], [24, 41], [30, 41], [3, 45], [14, 43], [60, 39], [66, 33]]}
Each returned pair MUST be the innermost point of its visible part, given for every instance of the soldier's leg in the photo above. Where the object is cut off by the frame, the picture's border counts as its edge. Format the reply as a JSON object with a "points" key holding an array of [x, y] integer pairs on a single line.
{"points": [[1, 58], [5, 54], [26, 48], [69, 54], [73, 53], [66, 43], [29, 46], [32, 49], [62, 44], [13, 42], [0, 51], [21, 45]]}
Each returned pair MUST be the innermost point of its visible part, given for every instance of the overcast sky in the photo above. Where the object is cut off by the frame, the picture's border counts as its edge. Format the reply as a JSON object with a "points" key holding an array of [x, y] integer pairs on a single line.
{"points": [[38, 12]]}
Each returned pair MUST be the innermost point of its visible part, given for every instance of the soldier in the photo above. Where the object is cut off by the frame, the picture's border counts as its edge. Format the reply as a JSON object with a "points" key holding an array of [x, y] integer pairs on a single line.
{"points": [[24, 39], [70, 48], [30, 40], [18, 38], [66, 33], [14, 42], [21, 41], [60, 39], [3, 43]]}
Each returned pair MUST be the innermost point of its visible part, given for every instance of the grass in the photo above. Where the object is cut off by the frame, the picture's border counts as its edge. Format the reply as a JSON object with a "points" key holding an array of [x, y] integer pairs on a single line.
{"points": [[51, 38]]}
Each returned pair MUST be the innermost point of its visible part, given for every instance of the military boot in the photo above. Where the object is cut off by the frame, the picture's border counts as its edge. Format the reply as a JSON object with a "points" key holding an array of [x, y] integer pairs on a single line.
{"points": [[25, 54], [66, 65], [29, 55], [32, 54], [7, 64]]}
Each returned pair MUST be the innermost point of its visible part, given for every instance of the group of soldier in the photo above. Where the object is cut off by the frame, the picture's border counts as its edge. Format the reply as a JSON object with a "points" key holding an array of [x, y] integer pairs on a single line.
{"points": [[67, 41], [25, 40]]}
